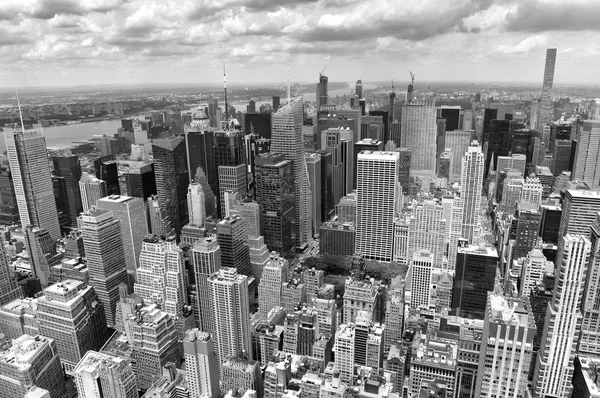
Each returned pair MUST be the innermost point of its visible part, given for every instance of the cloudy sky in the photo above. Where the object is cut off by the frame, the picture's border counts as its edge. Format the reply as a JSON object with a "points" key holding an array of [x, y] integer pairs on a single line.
{"points": [[74, 42]]}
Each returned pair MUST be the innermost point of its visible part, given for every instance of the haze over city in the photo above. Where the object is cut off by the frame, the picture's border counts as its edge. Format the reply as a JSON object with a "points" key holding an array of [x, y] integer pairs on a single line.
{"points": [[70, 42]]}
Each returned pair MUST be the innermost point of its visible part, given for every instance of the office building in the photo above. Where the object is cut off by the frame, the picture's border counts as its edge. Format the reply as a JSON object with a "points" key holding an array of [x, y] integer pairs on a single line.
{"points": [[9, 209], [528, 220], [107, 169], [419, 130], [259, 124], [554, 367], [91, 189], [199, 147], [196, 205], [535, 266], [427, 230], [269, 289], [475, 276], [69, 313], [579, 210], [337, 238], [287, 139], [201, 366], [231, 313], [506, 348], [31, 362], [367, 144], [545, 112], [471, 184], [420, 271], [232, 237], [206, 260], [9, 290], [161, 279], [98, 375], [561, 157], [105, 256], [232, 179], [586, 165], [497, 142], [360, 296], [153, 339], [68, 168], [240, 374], [140, 182], [457, 142], [172, 178], [28, 160], [275, 194], [432, 366], [585, 377], [377, 190], [131, 213], [589, 342], [313, 164]]}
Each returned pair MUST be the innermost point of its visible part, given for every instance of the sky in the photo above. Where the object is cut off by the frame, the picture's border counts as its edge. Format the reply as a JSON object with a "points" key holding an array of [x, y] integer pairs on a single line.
{"points": [[80, 42]]}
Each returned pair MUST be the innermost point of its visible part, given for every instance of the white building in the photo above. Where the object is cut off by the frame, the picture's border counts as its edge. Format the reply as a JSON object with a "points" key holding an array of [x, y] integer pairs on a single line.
{"points": [[269, 289], [196, 205], [100, 375], [587, 159], [91, 189], [419, 276], [471, 184], [201, 366]]}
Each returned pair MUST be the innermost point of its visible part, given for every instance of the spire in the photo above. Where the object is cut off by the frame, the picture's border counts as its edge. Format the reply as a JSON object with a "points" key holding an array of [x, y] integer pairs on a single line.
{"points": [[225, 88], [20, 112], [289, 90]]}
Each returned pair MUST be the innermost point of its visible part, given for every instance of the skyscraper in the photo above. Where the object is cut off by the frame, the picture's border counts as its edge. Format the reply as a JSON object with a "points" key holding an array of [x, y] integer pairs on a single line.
{"points": [[232, 235], [419, 129], [199, 145], [105, 257], [269, 290], [288, 140], [377, 189], [9, 290], [140, 182], [29, 362], [471, 184], [590, 330], [196, 205], [232, 179], [68, 168], [172, 178], [322, 92], [579, 210], [161, 279], [313, 164], [554, 367], [231, 312], [420, 271], [69, 313], [28, 161], [458, 142], [99, 375], [545, 114], [206, 260], [229, 149], [131, 213], [587, 157], [91, 189], [107, 169], [201, 366], [427, 231]]}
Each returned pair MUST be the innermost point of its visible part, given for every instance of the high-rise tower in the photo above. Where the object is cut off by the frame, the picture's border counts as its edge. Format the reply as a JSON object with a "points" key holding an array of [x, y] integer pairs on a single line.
{"points": [[91, 189], [378, 188], [288, 140], [30, 170], [9, 290], [586, 165], [471, 184], [201, 366], [68, 168], [545, 114], [196, 205], [554, 367], [419, 133], [589, 342], [206, 260]]}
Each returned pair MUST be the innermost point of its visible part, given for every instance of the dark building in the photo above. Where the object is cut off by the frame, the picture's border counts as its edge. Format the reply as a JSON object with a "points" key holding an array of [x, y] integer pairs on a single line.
{"points": [[337, 238], [141, 181], [349, 119], [444, 164], [232, 236], [452, 116], [327, 203], [528, 227], [498, 142], [60, 198], [69, 169], [561, 157], [276, 103], [127, 124], [395, 132], [440, 138], [386, 124], [559, 132], [172, 178], [521, 142], [229, 149], [199, 146], [475, 276], [539, 297], [550, 222], [404, 169], [107, 170], [275, 193], [258, 123], [488, 116], [9, 210]]}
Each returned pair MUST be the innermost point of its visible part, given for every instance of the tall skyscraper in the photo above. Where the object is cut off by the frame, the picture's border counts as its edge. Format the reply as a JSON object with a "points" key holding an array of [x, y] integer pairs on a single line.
{"points": [[579, 210], [28, 161], [471, 184], [201, 366], [420, 271], [140, 182], [506, 351], [161, 279], [98, 375], [232, 179], [68, 168], [107, 169], [313, 164], [206, 260], [172, 178], [545, 114], [31, 362], [105, 256], [288, 140], [199, 145], [590, 330], [458, 142], [587, 157], [9, 290], [427, 231], [275, 193], [322, 92], [554, 368], [377, 190], [231, 312], [131, 213], [196, 205], [232, 235], [69, 313], [229, 149], [91, 189], [9, 209], [419, 130]]}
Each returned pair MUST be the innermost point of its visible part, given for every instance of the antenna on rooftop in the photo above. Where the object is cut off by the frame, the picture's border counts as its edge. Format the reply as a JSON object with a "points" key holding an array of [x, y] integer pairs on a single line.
{"points": [[225, 88], [20, 112], [289, 89]]}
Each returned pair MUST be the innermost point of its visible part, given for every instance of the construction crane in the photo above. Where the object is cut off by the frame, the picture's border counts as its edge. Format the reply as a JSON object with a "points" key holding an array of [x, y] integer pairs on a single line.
{"points": [[412, 79], [323, 71]]}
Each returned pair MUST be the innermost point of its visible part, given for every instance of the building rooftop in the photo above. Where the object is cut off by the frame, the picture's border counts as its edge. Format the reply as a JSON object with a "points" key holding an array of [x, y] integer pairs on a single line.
{"points": [[23, 351], [117, 198]]}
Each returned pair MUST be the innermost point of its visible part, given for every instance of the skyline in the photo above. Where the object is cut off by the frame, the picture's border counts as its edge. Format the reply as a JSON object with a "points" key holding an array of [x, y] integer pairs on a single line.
{"points": [[70, 43]]}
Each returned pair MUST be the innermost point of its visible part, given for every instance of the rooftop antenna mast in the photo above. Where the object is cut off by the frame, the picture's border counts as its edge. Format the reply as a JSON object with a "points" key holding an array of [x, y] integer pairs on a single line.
{"points": [[392, 85], [225, 88], [289, 89], [20, 112]]}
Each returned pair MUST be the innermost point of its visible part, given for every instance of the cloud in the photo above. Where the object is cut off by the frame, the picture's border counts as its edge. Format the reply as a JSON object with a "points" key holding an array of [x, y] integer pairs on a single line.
{"points": [[549, 15], [525, 46], [47, 9]]}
